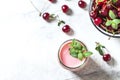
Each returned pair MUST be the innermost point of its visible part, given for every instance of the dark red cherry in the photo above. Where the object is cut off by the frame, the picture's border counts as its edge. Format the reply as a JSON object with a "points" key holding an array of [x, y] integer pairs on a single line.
{"points": [[106, 57], [97, 21], [93, 14], [109, 6], [117, 3], [82, 4], [65, 8], [119, 14], [66, 28], [46, 16], [51, 0], [118, 9], [104, 11]]}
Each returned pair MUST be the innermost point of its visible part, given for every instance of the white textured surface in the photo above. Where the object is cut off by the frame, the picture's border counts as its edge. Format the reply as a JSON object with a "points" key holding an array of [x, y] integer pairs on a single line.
{"points": [[29, 45]]}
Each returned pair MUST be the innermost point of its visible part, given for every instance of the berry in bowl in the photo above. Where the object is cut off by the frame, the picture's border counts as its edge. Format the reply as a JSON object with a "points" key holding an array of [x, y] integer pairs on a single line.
{"points": [[73, 55], [105, 15]]}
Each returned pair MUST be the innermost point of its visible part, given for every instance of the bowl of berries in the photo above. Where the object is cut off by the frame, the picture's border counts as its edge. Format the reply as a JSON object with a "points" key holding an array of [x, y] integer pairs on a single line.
{"points": [[105, 16]]}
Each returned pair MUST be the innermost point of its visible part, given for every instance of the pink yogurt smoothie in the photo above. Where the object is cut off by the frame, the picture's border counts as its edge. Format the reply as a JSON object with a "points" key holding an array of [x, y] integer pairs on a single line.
{"points": [[66, 58]]}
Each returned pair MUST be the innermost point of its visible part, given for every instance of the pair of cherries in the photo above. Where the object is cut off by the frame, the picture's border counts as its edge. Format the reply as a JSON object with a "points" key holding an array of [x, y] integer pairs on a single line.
{"points": [[46, 16]]}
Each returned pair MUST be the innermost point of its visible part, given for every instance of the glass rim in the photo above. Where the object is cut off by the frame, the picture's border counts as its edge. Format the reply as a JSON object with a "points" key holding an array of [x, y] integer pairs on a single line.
{"points": [[60, 61]]}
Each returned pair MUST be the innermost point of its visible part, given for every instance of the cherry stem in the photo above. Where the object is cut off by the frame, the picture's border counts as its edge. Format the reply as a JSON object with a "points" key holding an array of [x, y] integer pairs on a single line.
{"points": [[114, 6], [97, 43], [35, 7], [58, 18]]}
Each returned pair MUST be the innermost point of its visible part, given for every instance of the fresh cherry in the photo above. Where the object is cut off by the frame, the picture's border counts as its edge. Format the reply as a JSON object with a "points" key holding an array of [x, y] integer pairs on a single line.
{"points": [[93, 14], [101, 2], [46, 16], [82, 4], [51, 0], [106, 57], [109, 6], [118, 14], [118, 9], [117, 3], [65, 8], [104, 10], [66, 28], [97, 21]]}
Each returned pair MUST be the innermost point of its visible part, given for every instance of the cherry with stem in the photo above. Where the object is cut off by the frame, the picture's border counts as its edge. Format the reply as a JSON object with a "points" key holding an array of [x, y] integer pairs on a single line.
{"points": [[103, 52]]}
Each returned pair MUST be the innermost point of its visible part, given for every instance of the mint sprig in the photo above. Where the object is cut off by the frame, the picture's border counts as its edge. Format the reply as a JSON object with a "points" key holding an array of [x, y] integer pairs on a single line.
{"points": [[61, 22], [79, 51], [112, 14], [114, 1], [114, 22], [99, 48]]}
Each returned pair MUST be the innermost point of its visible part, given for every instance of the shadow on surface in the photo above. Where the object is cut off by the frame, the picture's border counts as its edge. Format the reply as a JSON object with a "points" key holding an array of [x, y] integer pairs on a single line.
{"points": [[71, 32], [54, 1], [112, 62], [92, 71], [70, 12]]}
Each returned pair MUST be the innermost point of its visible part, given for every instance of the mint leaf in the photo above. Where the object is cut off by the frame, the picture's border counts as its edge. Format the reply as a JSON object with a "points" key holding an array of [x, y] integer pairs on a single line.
{"points": [[87, 54], [78, 46], [77, 50], [112, 15], [108, 23], [84, 49], [73, 52], [117, 21], [114, 26], [100, 0], [61, 22], [74, 55], [80, 56], [98, 48], [52, 16], [114, 1]]}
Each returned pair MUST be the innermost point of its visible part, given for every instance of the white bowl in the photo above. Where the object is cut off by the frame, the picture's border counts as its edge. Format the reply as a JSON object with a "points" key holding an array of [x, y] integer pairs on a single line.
{"points": [[100, 29]]}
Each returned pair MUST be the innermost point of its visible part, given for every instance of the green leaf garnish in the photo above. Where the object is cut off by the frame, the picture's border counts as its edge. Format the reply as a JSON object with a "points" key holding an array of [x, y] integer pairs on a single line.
{"points": [[114, 23], [117, 21], [52, 17], [88, 53], [111, 14], [100, 0], [80, 56], [99, 48], [78, 50], [114, 1], [108, 23], [61, 22], [114, 26], [78, 46], [84, 49], [75, 44], [74, 55]]}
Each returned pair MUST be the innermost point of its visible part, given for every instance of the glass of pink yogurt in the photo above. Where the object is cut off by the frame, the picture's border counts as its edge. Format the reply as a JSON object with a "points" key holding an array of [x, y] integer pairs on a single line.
{"points": [[69, 62]]}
